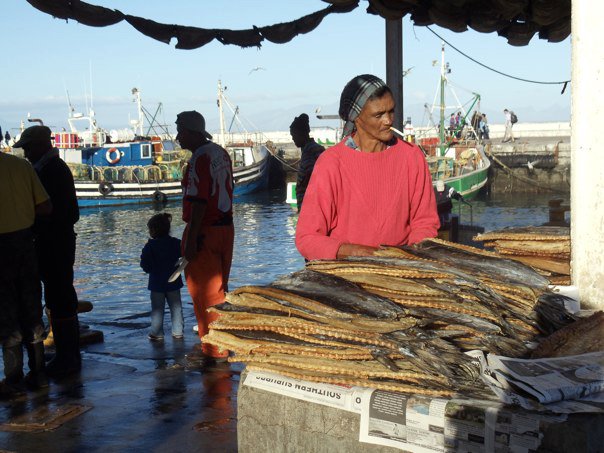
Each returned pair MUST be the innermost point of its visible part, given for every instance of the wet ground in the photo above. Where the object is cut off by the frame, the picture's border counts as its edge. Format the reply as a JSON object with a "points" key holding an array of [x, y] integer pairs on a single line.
{"points": [[132, 395]]}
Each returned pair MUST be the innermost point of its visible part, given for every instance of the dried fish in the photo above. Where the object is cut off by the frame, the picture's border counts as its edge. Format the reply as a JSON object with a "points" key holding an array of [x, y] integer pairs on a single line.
{"points": [[355, 368], [550, 308], [400, 321], [583, 336], [381, 384], [338, 294], [539, 233], [240, 345], [478, 262]]}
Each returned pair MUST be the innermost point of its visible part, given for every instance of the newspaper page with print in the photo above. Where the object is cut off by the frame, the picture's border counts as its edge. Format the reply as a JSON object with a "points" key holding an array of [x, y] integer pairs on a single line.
{"points": [[348, 398], [422, 424], [563, 384]]}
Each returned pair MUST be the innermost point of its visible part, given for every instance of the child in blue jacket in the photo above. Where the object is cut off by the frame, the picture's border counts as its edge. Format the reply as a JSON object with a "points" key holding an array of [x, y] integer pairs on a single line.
{"points": [[158, 259]]}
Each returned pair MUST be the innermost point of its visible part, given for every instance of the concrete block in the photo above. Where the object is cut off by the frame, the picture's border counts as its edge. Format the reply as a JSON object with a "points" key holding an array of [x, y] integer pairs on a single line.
{"points": [[268, 421]]}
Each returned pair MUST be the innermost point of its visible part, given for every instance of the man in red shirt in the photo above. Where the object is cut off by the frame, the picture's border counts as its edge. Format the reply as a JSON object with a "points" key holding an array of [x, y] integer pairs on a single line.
{"points": [[208, 212], [370, 189]]}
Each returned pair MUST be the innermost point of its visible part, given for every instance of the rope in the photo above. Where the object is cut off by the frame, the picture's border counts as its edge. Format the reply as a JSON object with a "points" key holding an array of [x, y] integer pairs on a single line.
{"points": [[283, 162], [510, 172], [563, 82]]}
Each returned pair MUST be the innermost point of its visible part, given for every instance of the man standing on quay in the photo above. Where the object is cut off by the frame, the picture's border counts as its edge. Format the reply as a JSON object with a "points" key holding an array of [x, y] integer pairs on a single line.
{"points": [[208, 212], [55, 248], [22, 198], [509, 135], [309, 153]]}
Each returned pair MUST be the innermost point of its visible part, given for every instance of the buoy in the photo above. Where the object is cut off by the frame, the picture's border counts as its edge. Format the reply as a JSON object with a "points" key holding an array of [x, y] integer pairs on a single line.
{"points": [[116, 159]]}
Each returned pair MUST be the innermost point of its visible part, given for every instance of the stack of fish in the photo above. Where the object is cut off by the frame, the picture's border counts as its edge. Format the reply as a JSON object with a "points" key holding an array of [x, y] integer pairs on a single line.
{"points": [[400, 321], [544, 248]]}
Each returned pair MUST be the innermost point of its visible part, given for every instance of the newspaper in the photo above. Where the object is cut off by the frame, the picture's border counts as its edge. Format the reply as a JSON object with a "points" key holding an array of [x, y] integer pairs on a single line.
{"points": [[562, 384], [426, 425], [348, 398], [421, 425]]}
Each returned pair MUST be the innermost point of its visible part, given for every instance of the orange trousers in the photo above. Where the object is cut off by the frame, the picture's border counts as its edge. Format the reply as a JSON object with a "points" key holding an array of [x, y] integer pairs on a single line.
{"points": [[207, 277]]}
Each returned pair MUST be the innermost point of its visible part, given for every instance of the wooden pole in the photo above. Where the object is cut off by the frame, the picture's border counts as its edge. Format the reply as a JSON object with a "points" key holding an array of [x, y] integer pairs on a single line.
{"points": [[394, 67]]}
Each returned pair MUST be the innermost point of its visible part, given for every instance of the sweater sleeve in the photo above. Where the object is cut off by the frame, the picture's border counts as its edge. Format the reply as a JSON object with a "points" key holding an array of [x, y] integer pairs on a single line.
{"points": [[423, 218], [319, 214], [146, 258]]}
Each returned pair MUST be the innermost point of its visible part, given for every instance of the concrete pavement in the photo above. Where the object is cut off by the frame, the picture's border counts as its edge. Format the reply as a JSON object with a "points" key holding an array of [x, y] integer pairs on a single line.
{"points": [[132, 395]]}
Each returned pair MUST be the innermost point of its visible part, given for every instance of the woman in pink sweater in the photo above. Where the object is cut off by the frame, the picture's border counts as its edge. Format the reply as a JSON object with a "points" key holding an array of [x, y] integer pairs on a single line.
{"points": [[371, 189]]}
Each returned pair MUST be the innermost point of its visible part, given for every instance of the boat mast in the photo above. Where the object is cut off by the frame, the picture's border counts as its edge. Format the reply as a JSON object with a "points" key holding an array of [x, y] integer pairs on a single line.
{"points": [[221, 114], [137, 98], [442, 101]]}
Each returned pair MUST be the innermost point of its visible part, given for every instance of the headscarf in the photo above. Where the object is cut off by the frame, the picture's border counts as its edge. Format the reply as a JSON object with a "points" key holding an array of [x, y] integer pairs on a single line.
{"points": [[354, 96], [301, 123]]}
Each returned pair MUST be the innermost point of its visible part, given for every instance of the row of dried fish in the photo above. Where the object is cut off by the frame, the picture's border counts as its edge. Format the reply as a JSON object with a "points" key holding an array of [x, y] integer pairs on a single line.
{"points": [[399, 321], [544, 248]]}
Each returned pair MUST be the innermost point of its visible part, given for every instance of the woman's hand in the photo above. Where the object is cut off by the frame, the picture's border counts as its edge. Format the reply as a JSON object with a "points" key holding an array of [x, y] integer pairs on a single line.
{"points": [[347, 250]]}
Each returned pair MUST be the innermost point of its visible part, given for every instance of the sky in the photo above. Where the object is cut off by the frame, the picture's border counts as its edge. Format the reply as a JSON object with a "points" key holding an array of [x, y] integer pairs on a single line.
{"points": [[47, 60]]}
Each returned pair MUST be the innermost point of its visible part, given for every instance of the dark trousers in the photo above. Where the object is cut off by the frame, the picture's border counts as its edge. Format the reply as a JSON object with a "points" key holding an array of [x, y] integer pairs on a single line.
{"points": [[20, 292], [56, 255]]}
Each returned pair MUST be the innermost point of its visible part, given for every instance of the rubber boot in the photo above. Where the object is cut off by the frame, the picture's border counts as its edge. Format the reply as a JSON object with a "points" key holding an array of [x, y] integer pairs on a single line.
{"points": [[49, 340], [36, 378], [67, 358], [12, 385]]}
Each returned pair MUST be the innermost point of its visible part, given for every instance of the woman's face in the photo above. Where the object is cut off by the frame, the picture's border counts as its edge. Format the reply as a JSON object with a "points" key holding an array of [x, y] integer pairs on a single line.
{"points": [[376, 118]]}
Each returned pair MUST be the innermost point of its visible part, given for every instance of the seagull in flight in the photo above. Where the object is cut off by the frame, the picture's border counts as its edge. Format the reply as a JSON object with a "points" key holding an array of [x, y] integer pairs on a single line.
{"points": [[407, 71], [257, 68]]}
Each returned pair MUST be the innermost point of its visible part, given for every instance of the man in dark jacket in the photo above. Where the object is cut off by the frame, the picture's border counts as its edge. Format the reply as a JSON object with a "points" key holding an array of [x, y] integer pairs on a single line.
{"points": [[22, 198], [55, 248], [310, 152]]}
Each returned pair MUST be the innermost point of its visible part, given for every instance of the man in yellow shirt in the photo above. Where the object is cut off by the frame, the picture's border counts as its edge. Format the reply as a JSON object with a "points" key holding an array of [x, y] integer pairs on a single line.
{"points": [[22, 197]]}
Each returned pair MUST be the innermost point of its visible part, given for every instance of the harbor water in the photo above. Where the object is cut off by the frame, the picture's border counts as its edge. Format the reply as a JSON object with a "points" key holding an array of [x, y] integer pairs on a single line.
{"points": [[107, 270]]}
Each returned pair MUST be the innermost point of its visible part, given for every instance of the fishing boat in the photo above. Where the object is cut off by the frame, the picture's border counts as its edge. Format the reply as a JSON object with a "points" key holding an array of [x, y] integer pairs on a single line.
{"points": [[251, 160], [455, 156], [120, 166]]}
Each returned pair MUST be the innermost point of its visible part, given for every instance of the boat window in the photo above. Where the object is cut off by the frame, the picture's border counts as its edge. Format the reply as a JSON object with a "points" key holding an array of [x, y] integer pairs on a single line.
{"points": [[145, 151], [237, 157], [168, 145]]}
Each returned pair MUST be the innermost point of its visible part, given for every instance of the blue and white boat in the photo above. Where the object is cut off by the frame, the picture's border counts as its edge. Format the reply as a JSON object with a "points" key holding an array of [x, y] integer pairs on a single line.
{"points": [[250, 167], [127, 166], [251, 161], [142, 171], [120, 166]]}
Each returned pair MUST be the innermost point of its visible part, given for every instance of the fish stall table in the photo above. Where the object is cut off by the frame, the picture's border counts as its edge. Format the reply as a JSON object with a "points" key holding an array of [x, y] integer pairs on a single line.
{"points": [[270, 420], [414, 348]]}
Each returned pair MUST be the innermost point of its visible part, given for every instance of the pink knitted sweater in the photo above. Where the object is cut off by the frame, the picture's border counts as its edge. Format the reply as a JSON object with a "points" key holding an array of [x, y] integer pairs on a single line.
{"points": [[383, 198]]}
